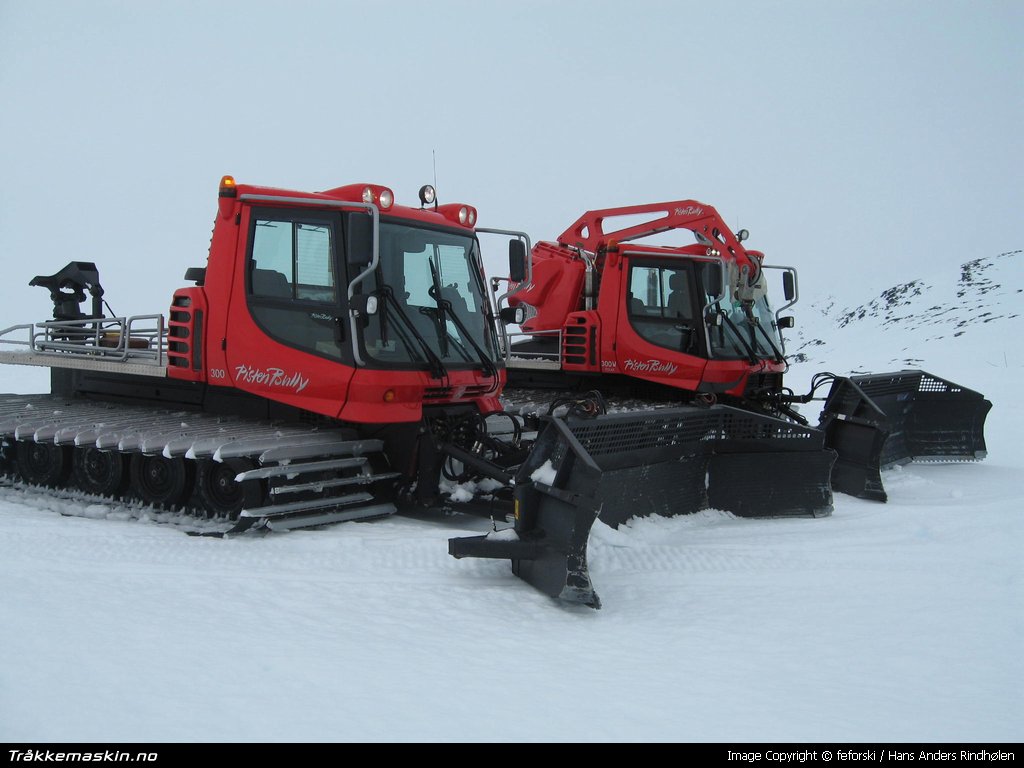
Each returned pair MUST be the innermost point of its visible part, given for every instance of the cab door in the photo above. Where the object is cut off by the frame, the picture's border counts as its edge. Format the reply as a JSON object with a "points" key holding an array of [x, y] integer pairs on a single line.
{"points": [[660, 338], [286, 336]]}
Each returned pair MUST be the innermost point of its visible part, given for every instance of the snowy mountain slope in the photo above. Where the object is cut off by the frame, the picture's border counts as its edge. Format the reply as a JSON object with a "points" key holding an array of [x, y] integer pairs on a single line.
{"points": [[973, 316], [900, 622]]}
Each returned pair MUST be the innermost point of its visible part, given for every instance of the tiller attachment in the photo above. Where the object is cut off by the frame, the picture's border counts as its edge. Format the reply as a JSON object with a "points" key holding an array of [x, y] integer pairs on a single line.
{"points": [[878, 420]]}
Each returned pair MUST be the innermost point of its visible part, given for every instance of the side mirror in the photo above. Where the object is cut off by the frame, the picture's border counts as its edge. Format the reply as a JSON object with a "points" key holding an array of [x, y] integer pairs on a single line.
{"points": [[787, 322], [512, 315], [788, 285], [359, 240], [713, 280], [196, 274], [516, 260], [713, 318]]}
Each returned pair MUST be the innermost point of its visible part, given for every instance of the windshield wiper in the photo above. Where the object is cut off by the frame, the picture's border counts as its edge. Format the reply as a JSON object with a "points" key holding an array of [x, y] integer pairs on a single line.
{"points": [[445, 308], [751, 356], [778, 354], [486, 364], [435, 293], [459, 346], [437, 368]]}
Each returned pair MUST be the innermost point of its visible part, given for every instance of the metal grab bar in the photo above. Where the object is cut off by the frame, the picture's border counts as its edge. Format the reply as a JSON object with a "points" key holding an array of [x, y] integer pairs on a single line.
{"points": [[108, 338]]}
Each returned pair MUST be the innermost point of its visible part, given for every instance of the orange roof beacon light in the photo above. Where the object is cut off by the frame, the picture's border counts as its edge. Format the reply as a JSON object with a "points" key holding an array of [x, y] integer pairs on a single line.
{"points": [[227, 195]]}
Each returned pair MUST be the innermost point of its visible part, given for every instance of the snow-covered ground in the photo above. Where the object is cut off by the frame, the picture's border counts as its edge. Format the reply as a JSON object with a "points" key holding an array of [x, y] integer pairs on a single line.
{"points": [[900, 622]]}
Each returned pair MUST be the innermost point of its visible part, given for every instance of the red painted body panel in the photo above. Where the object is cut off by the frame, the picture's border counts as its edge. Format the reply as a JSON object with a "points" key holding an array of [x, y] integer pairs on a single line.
{"points": [[445, 216], [237, 353], [186, 352], [412, 390], [581, 342], [557, 288]]}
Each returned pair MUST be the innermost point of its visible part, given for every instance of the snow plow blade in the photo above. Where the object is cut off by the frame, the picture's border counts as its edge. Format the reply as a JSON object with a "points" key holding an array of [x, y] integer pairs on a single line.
{"points": [[875, 421], [666, 462], [555, 509]]}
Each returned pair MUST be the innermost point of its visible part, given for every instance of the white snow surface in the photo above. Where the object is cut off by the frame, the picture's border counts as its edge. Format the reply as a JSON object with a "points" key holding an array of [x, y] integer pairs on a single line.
{"points": [[900, 622]]}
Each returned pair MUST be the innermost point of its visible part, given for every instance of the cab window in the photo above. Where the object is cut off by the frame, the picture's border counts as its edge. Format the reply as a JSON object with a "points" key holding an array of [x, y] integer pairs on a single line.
{"points": [[293, 290], [661, 307]]}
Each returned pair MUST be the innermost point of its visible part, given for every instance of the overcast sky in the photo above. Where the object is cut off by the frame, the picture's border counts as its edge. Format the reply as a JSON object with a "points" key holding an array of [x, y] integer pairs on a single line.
{"points": [[862, 142]]}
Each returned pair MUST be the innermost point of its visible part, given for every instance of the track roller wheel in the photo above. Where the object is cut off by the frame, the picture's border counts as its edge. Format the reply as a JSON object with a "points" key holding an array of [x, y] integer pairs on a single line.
{"points": [[103, 473], [43, 463], [160, 481], [8, 457], [218, 492]]}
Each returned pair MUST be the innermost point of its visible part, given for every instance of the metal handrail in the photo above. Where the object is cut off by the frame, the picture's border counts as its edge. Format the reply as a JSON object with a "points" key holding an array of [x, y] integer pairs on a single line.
{"points": [[784, 307], [108, 338], [554, 355], [16, 342], [526, 284]]}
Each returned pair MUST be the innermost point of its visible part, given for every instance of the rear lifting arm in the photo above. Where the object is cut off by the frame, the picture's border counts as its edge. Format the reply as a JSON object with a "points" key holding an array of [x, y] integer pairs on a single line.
{"points": [[588, 230]]}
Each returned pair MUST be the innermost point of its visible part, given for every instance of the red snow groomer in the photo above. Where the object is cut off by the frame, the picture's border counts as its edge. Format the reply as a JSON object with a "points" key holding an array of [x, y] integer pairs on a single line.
{"points": [[339, 357], [689, 325], [694, 323], [329, 348]]}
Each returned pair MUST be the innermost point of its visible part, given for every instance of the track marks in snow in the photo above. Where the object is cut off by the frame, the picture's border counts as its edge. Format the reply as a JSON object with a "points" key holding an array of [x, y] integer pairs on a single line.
{"points": [[393, 550], [692, 559], [706, 542]]}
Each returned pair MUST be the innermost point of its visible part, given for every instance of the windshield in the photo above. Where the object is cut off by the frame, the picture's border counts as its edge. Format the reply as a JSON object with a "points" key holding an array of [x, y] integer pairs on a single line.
{"points": [[742, 332], [430, 293]]}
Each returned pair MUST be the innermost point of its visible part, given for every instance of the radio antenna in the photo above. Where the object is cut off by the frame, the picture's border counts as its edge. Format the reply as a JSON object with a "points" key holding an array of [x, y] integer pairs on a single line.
{"points": [[433, 155]]}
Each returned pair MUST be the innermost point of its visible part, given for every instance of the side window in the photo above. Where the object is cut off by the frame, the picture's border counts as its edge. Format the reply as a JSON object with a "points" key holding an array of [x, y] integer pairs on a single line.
{"points": [[679, 302], [314, 268], [660, 292], [644, 291], [293, 289], [272, 267], [292, 259], [661, 305]]}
